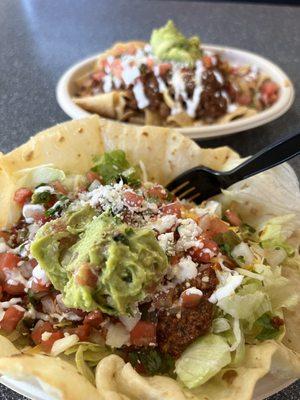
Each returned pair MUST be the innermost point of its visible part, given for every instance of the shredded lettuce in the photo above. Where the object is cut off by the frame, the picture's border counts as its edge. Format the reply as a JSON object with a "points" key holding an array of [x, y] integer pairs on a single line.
{"points": [[32, 177], [202, 360]]}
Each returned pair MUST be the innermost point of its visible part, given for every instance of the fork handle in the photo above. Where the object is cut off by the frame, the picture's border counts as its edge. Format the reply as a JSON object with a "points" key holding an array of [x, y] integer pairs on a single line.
{"points": [[267, 158]]}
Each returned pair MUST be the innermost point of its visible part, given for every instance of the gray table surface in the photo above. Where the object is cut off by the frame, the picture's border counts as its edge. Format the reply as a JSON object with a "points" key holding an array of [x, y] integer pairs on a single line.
{"points": [[40, 39]]}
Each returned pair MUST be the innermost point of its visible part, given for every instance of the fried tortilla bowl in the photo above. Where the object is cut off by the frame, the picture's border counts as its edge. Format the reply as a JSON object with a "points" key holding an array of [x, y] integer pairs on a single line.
{"points": [[165, 153]]}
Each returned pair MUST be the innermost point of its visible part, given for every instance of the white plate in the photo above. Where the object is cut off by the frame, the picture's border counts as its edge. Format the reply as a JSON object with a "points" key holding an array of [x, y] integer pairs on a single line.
{"points": [[65, 90], [266, 387]]}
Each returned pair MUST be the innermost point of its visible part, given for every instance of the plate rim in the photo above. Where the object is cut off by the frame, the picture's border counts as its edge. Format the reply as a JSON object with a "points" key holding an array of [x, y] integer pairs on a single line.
{"points": [[205, 132]]}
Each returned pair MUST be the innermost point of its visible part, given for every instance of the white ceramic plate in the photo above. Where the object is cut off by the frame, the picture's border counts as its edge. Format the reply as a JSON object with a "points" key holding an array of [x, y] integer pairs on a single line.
{"points": [[65, 90], [32, 389]]}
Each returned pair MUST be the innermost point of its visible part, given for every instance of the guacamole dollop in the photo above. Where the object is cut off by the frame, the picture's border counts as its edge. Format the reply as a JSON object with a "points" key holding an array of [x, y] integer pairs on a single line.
{"points": [[98, 262], [169, 44]]}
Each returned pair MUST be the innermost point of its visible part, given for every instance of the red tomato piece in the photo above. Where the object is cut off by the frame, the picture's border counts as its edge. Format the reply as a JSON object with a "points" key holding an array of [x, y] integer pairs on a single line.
{"points": [[172, 208], [93, 176], [132, 199], [83, 332], [86, 276], [233, 218], [39, 329], [4, 235], [150, 63], [38, 286], [94, 318], [158, 192], [143, 333], [243, 99], [164, 68], [13, 290], [205, 254], [117, 68], [216, 226], [269, 92], [190, 300], [59, 187], [11, 318], [207, 61], [47, 344], [22, 195], [9, 261]]}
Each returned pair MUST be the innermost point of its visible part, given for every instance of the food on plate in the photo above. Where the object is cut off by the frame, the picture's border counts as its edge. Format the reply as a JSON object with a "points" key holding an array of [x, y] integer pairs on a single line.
{"points": [[173, 81], [147, 294]]}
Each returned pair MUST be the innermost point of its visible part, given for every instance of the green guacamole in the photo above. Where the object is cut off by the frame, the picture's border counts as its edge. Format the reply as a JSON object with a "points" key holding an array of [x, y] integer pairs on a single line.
{"points": [[169, 44], [97, 262]]}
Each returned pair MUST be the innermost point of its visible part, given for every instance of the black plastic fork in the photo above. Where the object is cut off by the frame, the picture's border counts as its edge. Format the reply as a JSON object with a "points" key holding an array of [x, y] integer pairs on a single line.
{"points": [[200, 183]]}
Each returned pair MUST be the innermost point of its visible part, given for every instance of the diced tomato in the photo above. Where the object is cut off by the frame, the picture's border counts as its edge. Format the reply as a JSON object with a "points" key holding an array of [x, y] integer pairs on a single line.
{"points": [[9, 261], [215, 227], [158, 192], [22, 195], [277, 322], [14, 290], [207, 61], [150, 62], [117, 68], [172, 208], [243, 99], [39, 329], [47, 344], [98, 76], [269, 92], [83, 332], [11, 318], [205, 254], [4, 235], [92, 176], [38, 286], [133, 199], [233, 218], [94, 319], [143, 333], [86, 276], [190, 300], [59, 187], [164, 68]]}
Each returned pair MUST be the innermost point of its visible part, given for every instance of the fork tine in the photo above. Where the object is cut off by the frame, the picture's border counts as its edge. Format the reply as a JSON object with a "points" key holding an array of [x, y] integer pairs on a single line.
{"points": [[179, 187], [189, 191], [194, 197]]}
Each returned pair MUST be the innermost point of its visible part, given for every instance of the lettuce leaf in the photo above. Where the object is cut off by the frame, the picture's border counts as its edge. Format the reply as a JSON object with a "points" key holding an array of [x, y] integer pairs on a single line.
{"points": [[202, 360], [32, 177], [113, 166]]}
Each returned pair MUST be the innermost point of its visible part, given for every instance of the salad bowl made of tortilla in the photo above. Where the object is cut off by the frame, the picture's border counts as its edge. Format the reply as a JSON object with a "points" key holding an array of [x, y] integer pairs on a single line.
{"points": [[174, 81], [112, 288]]}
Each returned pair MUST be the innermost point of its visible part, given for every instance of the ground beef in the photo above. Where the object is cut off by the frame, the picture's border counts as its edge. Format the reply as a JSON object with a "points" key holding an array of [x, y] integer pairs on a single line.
{"points": [[177, 327], [175, 334]]}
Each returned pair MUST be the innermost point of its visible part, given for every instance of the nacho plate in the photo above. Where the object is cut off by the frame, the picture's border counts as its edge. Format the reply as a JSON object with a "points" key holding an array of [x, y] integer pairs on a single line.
{"points": [[67, 88], [80, 140]]}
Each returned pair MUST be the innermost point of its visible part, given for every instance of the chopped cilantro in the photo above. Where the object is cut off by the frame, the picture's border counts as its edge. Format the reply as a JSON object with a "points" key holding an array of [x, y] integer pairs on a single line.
{"points": [[227, 241], [152, 361], [114, 166]]}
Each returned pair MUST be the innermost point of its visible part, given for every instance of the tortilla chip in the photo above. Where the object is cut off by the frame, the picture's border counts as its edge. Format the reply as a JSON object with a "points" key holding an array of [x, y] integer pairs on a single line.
{"points": [[56, 373], [165, 154], [108, 105]]}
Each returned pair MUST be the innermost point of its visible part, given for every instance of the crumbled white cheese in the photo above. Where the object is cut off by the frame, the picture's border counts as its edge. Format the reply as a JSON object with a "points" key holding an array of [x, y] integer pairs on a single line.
{"points": [[107, 83], [39, 274], [117, 335], [192, 290], [213, 207], [14, 277], [31, 210], [3, 246], [188, 232], [166, 242], [164, 223], [108, 197], [185, 269], [11, 302]]}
